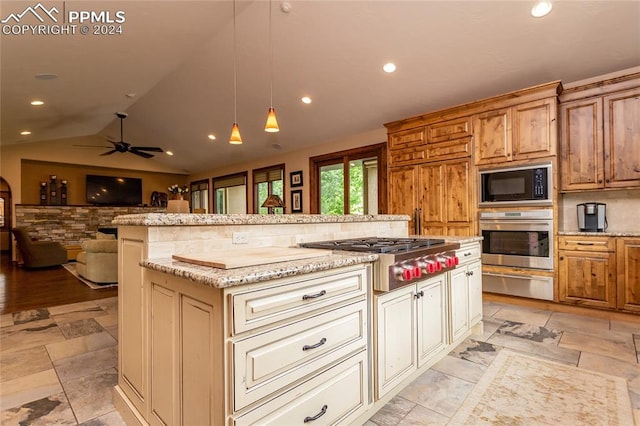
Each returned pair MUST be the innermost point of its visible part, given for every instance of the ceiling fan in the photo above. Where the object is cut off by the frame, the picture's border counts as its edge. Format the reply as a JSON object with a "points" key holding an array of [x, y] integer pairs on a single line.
{"points": [[122, 146]]}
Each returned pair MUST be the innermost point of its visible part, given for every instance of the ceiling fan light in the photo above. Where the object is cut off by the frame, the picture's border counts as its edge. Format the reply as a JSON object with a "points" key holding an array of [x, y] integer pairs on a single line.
{"points": [[272, 122], [541, 8], [235, 138]]}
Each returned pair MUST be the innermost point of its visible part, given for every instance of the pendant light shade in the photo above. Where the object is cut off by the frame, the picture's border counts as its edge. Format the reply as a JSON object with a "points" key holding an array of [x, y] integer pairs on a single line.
{"points": [[235, 138], [272, 122]]}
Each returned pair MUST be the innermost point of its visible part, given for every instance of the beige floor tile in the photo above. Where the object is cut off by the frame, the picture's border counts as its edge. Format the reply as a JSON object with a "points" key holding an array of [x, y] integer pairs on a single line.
{"points": [[80, 345], [24, 363], [107, 320], [437, 391], [90, 306], [79, 328], [86, 363], [110, 419], [523, 314], [80, 314], [490, 308], [29, 335], [109, 305], [476, 351], [19, 391], [92, 396], [53, 410], [608, 365], [567, 356], [460, 368], [393, 412], [625, 327], [620, 349], [113, 331], [578, 323], [6, 320], [420, 416], [490, 326]]}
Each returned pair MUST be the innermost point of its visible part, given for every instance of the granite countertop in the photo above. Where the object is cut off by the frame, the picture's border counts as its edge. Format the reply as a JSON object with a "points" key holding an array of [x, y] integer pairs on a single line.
{"points": [[181, 219], [601, 234], [221, 278], [463, 239]]}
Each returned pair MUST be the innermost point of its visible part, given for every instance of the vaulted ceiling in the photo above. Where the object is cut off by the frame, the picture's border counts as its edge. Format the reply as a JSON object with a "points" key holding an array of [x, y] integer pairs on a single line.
{"points": [[177, 58]]}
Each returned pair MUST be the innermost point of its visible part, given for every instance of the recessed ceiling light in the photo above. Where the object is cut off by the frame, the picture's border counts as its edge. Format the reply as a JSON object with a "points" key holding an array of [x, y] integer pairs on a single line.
{"points": [[389, 67], [212, 137], [305, 100], [169, 152], [25, 133], [541, 8], [130, 95], [37, 102], [46, 76]]}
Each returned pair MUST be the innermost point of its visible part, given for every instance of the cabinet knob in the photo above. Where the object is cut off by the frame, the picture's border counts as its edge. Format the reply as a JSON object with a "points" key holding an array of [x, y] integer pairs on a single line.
{"points": [[561, 258], [599, 180], [606, 180]]}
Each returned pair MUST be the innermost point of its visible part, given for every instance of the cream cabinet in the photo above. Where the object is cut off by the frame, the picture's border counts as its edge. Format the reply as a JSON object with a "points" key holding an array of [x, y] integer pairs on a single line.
{"points": [[281, 351], [465, 287], [411, 328], [521, 132]]}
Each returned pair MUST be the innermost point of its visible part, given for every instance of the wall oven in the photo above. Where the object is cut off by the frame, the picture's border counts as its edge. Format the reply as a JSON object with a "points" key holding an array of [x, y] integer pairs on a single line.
{"points": [[519, 239], [523, 186]]}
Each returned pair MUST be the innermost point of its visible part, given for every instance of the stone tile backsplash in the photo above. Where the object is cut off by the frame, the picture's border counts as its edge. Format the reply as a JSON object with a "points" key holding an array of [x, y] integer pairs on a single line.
{"points": [[622, 209]]}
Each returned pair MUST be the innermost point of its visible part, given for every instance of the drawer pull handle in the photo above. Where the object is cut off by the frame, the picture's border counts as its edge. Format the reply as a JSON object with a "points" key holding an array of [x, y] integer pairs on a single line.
{"points": [[317, 416], [314, 296], [317, 345], [580, 243], [467, 254]]}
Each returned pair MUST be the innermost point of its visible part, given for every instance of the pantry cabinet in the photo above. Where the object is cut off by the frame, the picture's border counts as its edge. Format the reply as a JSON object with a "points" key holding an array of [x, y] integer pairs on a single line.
{"points": [[437, 196], [600, 139], [521, 132], [587, 271], [628, 256]]}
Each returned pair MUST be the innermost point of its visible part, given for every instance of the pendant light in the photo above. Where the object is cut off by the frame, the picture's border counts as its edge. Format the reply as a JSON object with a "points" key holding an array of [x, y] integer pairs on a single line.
{"points": [[272, 122], [235, 138]]}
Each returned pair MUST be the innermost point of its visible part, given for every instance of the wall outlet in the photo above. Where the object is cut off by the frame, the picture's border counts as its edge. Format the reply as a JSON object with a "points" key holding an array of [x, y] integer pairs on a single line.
{"points": [[240, 237]]}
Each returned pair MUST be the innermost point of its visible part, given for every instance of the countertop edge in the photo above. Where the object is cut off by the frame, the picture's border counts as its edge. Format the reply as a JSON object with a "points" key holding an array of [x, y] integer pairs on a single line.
{"points": [[600, 234], [223, 278]]}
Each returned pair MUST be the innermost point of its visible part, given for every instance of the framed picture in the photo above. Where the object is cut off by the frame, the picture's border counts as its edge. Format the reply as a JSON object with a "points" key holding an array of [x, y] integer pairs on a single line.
{"points": [[296, 201], [296, 178]]}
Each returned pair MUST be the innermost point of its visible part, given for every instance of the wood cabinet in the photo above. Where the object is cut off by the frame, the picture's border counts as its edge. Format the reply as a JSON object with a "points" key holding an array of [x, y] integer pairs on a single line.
{"points": [[628, 256], [437, 196], [521, 132], [411, 328], [600, 141], [587, 271]]}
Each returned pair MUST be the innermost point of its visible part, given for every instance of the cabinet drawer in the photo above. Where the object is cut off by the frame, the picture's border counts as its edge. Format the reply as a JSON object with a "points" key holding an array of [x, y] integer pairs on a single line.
{"points": [[456, 148], [401, 157], [267, 362], [586, 243], [468, 253], [337, 396], [406, 138], [448, 130], [255, 308]]}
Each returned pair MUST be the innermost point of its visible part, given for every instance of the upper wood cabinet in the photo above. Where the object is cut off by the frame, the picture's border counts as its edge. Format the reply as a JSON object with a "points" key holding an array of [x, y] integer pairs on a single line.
{"points": [[600, 141], [521, 132]]}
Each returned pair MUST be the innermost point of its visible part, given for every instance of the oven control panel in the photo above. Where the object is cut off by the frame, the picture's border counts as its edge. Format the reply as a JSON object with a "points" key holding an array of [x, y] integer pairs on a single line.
{"points": [[410, 270]]}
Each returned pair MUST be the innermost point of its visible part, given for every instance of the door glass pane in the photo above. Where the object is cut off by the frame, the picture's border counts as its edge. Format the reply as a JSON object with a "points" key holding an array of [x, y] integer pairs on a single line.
{"points": [[363, 186], [2, 212], [262, 189], [277, 187], [332, 189]]}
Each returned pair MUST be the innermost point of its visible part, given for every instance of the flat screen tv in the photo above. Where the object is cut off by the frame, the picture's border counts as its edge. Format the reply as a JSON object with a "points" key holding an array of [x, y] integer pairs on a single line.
{"points": [[114, 191]]}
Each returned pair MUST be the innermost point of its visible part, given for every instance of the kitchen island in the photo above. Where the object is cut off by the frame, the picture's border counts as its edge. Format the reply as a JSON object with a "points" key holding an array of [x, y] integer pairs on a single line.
{"points": [[261, 343]]}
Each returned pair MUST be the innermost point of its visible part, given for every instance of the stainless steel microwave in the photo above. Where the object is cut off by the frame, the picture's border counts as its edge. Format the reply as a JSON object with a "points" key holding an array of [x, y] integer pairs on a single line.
{"points": [[523, 186]]}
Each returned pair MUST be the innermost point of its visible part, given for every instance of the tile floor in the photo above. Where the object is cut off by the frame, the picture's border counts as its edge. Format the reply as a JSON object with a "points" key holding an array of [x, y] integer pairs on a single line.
{"points": [[58, 365]]}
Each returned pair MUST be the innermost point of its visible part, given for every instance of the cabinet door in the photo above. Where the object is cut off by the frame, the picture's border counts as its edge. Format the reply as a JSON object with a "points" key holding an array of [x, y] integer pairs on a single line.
{"points": [[396, 321], [622, 139], [492, 136], [534, 129], [459, 301], [587, 278], [458, 193], [432, 190], [628, 256], [432, 318], [403, 185], [581, 145], [474, 275]]}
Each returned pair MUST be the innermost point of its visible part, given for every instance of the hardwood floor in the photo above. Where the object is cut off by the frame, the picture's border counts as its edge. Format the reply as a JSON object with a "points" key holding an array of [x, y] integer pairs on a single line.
{"points": [[23, 289]]}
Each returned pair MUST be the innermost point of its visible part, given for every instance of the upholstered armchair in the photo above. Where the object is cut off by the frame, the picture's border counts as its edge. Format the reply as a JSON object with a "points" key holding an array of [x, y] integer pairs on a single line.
{"points": [[98, 260], [38, 254]]}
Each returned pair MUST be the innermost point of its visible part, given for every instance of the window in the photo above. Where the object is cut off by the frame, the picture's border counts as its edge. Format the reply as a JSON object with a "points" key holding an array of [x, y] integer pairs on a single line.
{"points": [[349, 182], [200, 196], [267, 181], [230, 194]]}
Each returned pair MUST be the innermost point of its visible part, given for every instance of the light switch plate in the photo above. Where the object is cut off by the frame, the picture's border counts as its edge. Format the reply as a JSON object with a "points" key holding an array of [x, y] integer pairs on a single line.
{"points": [[240, 238]]}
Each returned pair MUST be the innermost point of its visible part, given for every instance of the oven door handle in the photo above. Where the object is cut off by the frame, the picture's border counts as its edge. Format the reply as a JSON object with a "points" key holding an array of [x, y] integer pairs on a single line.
{"points": [[522, 277]]}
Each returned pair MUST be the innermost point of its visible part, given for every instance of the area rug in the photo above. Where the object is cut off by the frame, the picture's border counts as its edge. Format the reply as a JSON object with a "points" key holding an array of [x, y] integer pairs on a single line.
{"points": [[71, 267], [518, 389]]}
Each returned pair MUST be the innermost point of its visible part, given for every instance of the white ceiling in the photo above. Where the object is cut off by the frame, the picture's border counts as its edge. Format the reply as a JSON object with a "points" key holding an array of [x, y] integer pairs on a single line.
{"points": [[177, 57]]}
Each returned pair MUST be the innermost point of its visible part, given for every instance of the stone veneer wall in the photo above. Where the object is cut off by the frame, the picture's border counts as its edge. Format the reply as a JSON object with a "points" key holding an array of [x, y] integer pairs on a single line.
{"points": [[70, 225]]}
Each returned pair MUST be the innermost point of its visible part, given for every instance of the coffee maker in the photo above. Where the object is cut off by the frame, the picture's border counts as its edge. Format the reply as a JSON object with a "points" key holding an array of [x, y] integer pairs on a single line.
{"points": [[592, 217]]}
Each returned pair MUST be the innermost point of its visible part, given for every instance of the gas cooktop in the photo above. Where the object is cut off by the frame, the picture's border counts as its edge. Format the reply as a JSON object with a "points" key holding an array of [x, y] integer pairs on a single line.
{"points": [[377, 245]]}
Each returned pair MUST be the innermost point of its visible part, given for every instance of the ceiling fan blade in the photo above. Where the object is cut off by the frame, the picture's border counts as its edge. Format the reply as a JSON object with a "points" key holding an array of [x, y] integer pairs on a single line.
{"points": [[92, 146], [141, 154], [147, 148], [109, 152]]}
